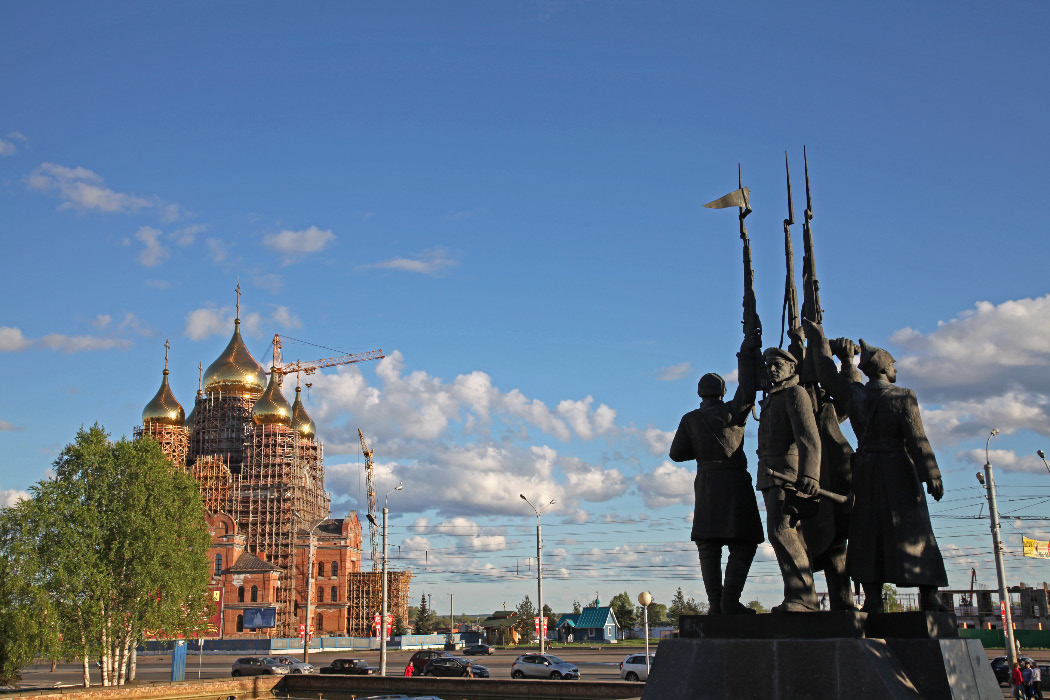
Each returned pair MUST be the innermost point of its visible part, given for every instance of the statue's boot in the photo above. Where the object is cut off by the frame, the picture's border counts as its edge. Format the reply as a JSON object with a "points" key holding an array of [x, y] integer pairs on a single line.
{"points": [[741, 554], [930, 601], [711, 568], [873, 602]]}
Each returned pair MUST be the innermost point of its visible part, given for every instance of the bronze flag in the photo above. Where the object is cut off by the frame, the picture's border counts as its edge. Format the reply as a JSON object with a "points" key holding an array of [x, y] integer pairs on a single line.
{"points": [[736, 198]]}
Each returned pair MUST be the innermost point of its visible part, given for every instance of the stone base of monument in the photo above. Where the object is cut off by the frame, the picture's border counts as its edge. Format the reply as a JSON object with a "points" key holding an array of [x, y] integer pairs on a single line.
{"points": [[825, 655]]}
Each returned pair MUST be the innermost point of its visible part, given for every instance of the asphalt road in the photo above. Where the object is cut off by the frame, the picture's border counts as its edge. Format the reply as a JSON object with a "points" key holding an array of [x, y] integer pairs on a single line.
{"points": [[595, 664]]}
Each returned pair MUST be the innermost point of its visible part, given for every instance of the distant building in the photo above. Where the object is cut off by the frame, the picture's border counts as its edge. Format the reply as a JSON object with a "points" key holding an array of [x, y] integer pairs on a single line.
{"points": [[260, 471], [499, 627], [591, 625]]}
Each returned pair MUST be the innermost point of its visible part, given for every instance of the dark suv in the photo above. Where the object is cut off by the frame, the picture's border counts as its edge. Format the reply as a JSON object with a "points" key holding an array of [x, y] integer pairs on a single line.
{"points": [[420, 659]]}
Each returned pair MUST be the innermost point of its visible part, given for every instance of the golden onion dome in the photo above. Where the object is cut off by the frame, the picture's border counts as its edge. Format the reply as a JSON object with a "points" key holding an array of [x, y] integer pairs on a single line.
{"points": [[301, 420], [272, 408], [164, 409], [235, 370]]}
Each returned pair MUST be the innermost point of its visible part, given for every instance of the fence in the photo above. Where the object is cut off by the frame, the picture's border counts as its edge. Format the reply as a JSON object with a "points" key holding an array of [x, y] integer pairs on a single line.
{"points": [[260, 647]]}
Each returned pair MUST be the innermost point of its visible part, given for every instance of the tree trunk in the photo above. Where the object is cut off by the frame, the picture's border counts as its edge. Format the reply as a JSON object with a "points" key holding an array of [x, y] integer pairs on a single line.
{"points": [[134, 661], [87, 672], [107, 654], [84, 655]]}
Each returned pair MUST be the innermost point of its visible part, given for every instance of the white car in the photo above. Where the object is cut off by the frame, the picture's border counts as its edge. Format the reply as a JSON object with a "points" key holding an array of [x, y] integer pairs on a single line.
{"points": [[295, 665], [633, 668]]}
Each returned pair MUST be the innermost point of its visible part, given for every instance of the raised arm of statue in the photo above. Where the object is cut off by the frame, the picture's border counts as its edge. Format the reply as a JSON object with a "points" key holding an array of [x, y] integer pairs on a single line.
{"points": [[747, 361], [838, 384]]}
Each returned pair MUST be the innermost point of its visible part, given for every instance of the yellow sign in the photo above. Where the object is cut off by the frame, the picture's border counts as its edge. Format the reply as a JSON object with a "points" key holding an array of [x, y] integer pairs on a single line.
{"points": [[1038, 549]]}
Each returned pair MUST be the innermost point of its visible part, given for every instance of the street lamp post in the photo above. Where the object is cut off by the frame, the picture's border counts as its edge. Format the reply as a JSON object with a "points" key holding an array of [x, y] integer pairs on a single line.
{"points": [[382, 617], [309, 589], [645, 598], [993, 514], [539, 569]]}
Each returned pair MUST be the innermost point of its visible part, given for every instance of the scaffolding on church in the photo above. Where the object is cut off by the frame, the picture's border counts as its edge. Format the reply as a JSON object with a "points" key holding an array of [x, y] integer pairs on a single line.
{"points": [[365, 596], [173, 439], [219, 421]]}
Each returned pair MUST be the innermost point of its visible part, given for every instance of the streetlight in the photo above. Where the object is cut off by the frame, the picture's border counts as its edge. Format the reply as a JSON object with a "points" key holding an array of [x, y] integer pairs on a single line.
{"points": [[539, 569], [382, 618], [645, 598], [309, 588], [1042, 456], [993, 513]]}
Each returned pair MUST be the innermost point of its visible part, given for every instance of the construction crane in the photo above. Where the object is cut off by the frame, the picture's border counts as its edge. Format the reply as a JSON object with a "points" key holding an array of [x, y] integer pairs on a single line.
{"points": [[370, 481], [310, 367]]}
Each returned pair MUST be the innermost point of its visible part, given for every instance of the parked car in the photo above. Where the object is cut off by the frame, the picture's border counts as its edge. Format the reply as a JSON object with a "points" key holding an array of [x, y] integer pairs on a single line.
{"points": [[258, 666], [295, 664], [421, 658], [543, 666], [633, 668], [350, 667], [454, 667], [483, 649], [1001, 668]]}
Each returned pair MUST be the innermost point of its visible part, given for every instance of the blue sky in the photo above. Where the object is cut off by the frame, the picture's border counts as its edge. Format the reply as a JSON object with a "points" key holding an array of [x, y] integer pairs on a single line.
{"points": [[506, 198]]}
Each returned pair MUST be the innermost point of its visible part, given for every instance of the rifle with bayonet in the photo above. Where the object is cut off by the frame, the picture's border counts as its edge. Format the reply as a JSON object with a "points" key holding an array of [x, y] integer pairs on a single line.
{"points": [[741, 198], [790, 315], [810, 286]]}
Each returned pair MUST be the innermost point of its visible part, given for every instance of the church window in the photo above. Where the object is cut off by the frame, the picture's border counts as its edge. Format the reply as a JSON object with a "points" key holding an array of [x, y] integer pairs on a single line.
{"points": [[255, 594]]}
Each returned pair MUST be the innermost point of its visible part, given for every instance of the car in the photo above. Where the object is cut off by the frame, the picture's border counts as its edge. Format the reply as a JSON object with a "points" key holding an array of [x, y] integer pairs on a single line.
{"points": [[258, 666], [1001, 668], [633, 668], [543, 666], [350, 667], [454, 667], [421, 658], [295, 665], [483, 649]]}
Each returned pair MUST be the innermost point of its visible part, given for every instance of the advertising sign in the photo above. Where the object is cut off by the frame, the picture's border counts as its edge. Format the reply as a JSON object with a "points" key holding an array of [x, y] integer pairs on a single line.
{"points": [[1037, 549], [260, 618]]}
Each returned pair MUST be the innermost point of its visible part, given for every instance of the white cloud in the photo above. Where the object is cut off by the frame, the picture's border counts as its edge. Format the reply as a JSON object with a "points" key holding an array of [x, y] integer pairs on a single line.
{"points": [[218, 249], [82, 343], [296, 244], [675, 372], [204, 322], [658, 441], [667, 485], [7, 426], [153, 252], [12, 340], [101, 321], [429, 262], [585, 422], [85, 190], [11, 497], [7, 148], [982, 352], [187, 235], [955, 421], [592, 483], [1007, 460]]}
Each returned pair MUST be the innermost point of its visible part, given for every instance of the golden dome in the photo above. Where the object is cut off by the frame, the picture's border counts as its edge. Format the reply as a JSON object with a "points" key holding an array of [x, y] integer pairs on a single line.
{"points": [[301, 420], [164, 409], [235, 369], [272, 408]]}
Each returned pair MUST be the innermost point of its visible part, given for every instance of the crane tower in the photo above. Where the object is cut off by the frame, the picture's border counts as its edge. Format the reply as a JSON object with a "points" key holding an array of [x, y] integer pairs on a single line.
{"points": [[370, 481]]}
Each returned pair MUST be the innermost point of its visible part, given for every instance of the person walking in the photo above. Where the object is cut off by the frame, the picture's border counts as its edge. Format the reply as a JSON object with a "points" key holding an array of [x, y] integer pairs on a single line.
{"points": [[409, 670], [1037, 679], [1026, 679], [1017, 682]]}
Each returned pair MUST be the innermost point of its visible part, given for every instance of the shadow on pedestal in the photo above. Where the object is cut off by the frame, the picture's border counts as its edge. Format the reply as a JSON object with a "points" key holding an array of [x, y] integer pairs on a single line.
{"points": [[821, 655]]}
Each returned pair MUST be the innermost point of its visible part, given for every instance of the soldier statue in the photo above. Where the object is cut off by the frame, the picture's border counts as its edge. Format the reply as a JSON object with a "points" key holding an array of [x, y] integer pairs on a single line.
{"points": [[726, 511], [788, 475], [891, 538]]}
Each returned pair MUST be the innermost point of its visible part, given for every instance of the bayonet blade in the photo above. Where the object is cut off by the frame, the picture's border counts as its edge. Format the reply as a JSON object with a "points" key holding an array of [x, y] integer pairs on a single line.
{"points": [[791, 209]]}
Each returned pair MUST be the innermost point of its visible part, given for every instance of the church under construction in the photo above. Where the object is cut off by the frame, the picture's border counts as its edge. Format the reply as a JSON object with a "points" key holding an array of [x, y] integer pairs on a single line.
{"points": [[260, 470]]}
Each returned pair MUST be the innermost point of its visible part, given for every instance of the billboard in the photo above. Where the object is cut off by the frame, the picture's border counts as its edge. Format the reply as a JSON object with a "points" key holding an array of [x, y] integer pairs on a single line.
{"points": [[260, 618]]}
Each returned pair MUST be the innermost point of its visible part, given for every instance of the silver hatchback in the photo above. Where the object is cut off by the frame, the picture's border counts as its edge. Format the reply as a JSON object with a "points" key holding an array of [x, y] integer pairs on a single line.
{"points": [[543, 666], [258, 666], [295, 665]]}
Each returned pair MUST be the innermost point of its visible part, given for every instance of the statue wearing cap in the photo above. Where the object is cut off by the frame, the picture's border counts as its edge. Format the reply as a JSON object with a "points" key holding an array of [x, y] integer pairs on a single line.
{"points": [[788, 474], [891, 538], [726, 512]]}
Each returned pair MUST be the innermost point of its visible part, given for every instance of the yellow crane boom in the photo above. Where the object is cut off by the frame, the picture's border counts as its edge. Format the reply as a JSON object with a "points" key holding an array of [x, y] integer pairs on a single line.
{"points": [[370, 481]]}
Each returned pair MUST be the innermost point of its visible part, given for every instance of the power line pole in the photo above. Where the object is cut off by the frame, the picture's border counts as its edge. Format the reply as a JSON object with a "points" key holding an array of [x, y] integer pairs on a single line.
{"points": [[539, 572], [997, 544]]}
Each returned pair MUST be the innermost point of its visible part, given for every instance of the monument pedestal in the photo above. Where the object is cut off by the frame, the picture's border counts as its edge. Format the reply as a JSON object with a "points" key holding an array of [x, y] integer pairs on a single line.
{"points": [[792, 657]]}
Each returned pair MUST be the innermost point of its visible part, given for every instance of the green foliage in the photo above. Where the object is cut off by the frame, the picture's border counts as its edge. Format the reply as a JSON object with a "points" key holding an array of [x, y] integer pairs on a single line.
{"points": [[889, 598], [398, 629], [117, 544], [424, 618], [576, 607], [623, 608], [757, 606], [524, 624], [680, 605], [657, 615]]}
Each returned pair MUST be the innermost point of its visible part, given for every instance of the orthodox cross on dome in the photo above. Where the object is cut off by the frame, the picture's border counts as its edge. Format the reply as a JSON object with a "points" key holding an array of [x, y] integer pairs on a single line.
{"points": [[200, 376], [167, 346], [238, 301]]}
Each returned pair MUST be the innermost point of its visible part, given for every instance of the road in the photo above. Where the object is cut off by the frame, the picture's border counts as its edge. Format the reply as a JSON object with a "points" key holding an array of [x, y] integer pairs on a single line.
{"points": [[595, 664]]}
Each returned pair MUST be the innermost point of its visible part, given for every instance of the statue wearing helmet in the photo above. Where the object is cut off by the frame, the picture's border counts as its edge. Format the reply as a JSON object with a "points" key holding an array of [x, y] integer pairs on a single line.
{"points": [[726, 510]]}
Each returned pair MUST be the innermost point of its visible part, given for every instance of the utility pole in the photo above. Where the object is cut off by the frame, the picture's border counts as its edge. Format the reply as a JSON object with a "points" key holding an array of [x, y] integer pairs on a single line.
{"points": [[383, 614], [539, 572], [309, 588], [993, 514]]}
